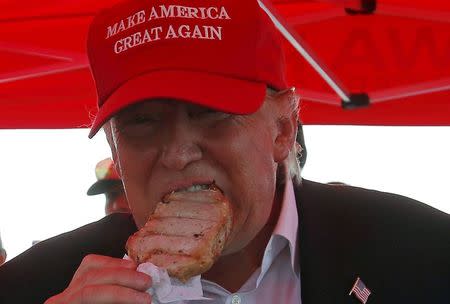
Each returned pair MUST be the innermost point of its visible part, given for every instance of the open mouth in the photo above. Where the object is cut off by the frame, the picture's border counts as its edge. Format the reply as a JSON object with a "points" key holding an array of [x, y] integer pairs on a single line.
{"points": [[194, 188]]}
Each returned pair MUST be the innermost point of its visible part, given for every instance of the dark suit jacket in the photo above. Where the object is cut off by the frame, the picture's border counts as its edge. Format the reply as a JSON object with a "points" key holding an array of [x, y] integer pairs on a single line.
{"points": [[399, 247]]}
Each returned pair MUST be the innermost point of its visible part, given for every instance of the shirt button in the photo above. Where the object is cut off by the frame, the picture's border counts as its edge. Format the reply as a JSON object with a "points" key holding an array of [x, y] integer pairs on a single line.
{"points": [[235, 299]]}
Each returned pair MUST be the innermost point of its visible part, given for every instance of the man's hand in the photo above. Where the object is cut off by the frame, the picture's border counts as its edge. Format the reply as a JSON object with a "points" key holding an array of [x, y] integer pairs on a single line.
{"points": [[101, 279]]}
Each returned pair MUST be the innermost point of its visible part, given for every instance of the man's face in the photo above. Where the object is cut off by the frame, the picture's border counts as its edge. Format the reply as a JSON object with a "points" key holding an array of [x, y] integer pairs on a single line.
{"points": [[162, 146]]}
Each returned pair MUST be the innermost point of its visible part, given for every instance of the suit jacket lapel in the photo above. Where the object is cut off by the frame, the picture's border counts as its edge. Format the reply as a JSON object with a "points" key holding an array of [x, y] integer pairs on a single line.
{"points": [[328, 265]]}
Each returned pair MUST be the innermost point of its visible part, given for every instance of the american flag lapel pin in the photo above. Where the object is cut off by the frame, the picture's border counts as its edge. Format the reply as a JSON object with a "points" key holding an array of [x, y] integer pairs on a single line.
{"points": [[360, 291]]}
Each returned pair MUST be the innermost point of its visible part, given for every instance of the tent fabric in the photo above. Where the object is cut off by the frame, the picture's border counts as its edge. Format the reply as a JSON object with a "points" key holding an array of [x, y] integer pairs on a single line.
{"points": [[399, 55]]}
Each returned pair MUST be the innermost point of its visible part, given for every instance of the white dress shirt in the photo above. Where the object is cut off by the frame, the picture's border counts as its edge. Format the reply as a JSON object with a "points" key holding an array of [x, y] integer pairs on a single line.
{"points": [[278, 278]]}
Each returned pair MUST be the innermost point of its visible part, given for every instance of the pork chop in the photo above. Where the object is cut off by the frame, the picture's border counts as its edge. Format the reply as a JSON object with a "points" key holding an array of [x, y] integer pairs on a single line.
{"points": [[185, 234]]}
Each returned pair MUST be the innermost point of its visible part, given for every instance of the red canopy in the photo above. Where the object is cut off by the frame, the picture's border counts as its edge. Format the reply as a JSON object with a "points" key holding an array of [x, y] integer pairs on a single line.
{"points": [[399, 55]]}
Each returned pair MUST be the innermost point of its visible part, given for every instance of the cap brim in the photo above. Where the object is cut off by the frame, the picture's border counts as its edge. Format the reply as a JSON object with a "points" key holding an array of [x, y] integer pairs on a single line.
{"points": [[103, 186], [218, 92]]}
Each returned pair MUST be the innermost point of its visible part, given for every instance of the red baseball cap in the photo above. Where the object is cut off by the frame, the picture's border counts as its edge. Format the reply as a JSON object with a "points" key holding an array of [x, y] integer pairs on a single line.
{"points": [[221, 54]]}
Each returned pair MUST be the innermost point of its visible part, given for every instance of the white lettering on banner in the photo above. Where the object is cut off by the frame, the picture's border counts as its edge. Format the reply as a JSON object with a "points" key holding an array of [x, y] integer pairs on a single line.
{"points": [[184, 31], [171, 33], [136, 39], [197, 32], [178, 11], [165, 12], [124, 24]]}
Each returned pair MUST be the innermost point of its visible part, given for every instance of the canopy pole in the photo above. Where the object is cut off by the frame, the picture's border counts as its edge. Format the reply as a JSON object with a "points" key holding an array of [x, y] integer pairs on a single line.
{"points": [[289, 37]]}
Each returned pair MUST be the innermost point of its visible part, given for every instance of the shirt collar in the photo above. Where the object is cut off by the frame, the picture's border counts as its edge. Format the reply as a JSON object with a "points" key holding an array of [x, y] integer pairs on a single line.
{"points": [[285, 232], [287, 225]]}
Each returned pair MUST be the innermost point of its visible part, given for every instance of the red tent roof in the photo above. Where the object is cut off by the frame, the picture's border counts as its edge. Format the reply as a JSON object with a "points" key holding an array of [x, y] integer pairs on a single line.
{"points": [[399, 56]]}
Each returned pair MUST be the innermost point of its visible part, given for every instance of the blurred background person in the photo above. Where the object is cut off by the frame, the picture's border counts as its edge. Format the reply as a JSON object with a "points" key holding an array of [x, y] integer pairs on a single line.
{"points": [[302, 150], [2, 252], [109, 183]]}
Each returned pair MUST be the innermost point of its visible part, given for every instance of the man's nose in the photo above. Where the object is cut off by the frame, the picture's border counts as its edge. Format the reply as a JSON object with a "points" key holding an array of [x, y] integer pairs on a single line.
{"points": [[180, 148]]}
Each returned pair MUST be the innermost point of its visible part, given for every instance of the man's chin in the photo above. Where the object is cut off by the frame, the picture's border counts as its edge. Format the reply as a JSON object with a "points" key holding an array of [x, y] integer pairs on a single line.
{"points": [[234, 246]]}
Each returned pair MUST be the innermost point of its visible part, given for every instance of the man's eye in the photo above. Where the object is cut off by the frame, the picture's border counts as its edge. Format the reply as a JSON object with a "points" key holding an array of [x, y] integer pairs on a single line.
{"points": [[208, 114], [134, 125], [142, 119]]}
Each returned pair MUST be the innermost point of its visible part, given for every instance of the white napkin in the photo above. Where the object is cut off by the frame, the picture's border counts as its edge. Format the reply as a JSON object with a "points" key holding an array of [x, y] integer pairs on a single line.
{"points": [[168, 290]]}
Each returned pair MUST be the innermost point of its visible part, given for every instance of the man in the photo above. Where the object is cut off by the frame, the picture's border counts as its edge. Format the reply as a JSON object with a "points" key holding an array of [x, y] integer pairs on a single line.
{"points": [[2, 253], [193, 93], [109, 183]]}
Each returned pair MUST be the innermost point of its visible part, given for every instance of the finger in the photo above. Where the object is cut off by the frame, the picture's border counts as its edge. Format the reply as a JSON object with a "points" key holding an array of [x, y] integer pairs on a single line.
{"points": [[102, 294], [93, 261], [118, 276]]}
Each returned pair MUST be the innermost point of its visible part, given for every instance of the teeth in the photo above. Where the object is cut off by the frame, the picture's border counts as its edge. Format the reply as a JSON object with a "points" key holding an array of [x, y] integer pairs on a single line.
{"points": [[194, 188]]}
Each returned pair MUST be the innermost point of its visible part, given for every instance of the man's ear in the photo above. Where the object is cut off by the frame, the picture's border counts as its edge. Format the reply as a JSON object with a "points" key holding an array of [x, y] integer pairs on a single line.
{"points": [[287, 124]]}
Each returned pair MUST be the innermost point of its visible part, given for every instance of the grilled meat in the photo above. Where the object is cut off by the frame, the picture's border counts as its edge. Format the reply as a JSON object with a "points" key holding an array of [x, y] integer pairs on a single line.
{"points": [[185, 234]]}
